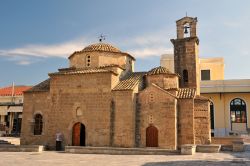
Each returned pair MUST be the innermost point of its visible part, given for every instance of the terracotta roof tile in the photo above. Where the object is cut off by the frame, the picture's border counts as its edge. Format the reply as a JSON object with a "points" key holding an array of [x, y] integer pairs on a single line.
{"points": [[160, 70], [18, 90], [101, 47], [98, 47], [186, 93], [129, 82], [41, 87]]}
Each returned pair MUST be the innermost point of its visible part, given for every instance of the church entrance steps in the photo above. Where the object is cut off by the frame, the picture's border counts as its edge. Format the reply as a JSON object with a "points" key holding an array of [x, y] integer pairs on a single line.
{"points": [[119, 151], [20, 148], [3, 142], [12, 140]]}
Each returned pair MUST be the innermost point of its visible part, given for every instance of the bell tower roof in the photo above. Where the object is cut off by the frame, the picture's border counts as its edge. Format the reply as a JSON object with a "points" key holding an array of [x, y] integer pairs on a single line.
{"points": [[186, 27]]}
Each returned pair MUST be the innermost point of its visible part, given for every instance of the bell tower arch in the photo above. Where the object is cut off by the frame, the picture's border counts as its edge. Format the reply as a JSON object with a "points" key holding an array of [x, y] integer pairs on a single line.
{"points": [[186, 58]]}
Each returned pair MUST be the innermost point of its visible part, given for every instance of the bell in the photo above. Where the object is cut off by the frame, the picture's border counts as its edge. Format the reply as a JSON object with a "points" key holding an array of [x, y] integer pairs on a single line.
{"points": [[186, 30]]}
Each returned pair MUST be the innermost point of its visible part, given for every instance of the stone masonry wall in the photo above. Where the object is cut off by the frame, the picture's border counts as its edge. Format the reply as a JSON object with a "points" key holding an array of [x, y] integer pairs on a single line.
{"points": [[72, 98], [38, 102], [202, 122], [124, 118], [164, 81], [185, 121], [81, 98], [158, 108], [186, 58], [97, 59]]}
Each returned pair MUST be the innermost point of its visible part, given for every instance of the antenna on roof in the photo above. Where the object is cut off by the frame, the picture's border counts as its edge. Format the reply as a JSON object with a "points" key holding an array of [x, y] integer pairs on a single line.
{"points": [[102, 37]]}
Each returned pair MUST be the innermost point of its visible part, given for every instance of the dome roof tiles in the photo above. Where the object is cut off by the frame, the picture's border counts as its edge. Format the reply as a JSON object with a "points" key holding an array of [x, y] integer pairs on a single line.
{"points": [[159, 70], [101, 47]]}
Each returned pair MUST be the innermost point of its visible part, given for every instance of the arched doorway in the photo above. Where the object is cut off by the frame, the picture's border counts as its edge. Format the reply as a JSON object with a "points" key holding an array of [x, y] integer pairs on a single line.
{"points": [[152, 136], [78, 134]]}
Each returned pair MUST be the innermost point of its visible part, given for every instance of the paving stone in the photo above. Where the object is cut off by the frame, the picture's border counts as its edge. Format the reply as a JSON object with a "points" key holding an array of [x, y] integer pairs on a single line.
{"points": [[55, 158]]}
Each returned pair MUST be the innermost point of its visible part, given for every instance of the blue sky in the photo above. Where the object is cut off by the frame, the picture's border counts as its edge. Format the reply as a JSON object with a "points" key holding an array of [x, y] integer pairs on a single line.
{"points": [[36, 37]]}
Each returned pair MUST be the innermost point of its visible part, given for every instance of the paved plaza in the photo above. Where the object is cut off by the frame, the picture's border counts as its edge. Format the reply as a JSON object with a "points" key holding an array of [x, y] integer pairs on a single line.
{"points": [[54, 158]]}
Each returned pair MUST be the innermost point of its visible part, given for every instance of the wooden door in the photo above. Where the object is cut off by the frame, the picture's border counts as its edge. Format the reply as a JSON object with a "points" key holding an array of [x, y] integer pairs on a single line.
{"points": [[76, 134], [151, 137]]}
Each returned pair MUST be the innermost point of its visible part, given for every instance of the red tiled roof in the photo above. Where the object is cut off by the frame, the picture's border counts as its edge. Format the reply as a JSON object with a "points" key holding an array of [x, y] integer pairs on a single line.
{"points": [[18, 90]]}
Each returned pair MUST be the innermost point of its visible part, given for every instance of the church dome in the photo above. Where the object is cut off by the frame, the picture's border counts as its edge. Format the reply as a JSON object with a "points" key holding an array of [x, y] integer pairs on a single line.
{"points": [[101, 47], [159, 70]]}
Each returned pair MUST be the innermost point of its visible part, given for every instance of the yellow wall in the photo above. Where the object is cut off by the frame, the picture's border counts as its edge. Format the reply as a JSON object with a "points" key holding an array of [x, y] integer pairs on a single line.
{"points": [[215, 65], [222, 112]]}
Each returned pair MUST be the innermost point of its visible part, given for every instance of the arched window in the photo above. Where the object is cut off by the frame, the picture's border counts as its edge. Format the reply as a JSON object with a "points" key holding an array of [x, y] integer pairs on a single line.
{"points": [[38, 126], [238, 111], [185, 76], [186, 28]]}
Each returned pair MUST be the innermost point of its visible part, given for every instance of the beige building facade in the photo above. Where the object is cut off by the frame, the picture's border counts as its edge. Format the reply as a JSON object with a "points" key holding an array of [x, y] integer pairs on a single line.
{"points": [[100, 101], [230, 99]]}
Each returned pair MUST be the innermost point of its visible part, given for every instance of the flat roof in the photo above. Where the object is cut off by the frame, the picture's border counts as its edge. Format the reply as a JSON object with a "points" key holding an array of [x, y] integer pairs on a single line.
{"points": [[225, 86]]}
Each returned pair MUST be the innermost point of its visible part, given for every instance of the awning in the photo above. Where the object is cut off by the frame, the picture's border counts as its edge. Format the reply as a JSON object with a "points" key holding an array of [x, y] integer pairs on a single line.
{"points": [[3, 110], [15, 109]]}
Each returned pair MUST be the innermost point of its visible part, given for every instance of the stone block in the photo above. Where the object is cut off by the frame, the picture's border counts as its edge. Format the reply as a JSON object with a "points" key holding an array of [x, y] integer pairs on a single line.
{"points": [[188, 149], [21, 148], [212, 148], [119, 151], [238, 146]]}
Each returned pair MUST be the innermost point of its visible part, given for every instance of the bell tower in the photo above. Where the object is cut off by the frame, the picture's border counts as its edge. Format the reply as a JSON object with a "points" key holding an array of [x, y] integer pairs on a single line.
{"points": [[186, 58]]}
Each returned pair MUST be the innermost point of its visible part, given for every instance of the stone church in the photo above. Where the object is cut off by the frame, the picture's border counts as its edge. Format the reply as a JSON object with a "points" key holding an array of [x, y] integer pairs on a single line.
{"points": [[100, 101]]}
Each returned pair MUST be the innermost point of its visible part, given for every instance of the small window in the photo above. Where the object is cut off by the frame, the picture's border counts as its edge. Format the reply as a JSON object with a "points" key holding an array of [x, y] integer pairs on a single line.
{"points": [[88, 60], [38, 126], [185, 76], [151, 97], [205, 74]]}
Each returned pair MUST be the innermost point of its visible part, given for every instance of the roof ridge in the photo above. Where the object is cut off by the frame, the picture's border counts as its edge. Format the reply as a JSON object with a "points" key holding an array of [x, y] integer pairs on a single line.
{"points": [[164, 90]]}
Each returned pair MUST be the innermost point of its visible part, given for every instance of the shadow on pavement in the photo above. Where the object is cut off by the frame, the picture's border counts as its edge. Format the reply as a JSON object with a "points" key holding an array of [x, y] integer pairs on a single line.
{"points": [[199, 162], [239, 159]]}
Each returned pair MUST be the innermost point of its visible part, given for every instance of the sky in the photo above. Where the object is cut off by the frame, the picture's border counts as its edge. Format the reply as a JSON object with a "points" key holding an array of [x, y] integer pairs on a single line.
{"points": [[37, 37]]}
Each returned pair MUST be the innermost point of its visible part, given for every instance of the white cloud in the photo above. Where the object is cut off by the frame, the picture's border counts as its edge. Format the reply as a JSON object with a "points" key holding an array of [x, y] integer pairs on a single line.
{"points": [[152, 44], [233, 24], [24, 62], [147, 52], [26, 55]]}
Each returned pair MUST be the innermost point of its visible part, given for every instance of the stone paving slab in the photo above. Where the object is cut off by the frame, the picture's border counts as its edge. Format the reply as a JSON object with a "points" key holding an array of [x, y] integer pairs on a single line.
{"points": [[65, 159]]}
